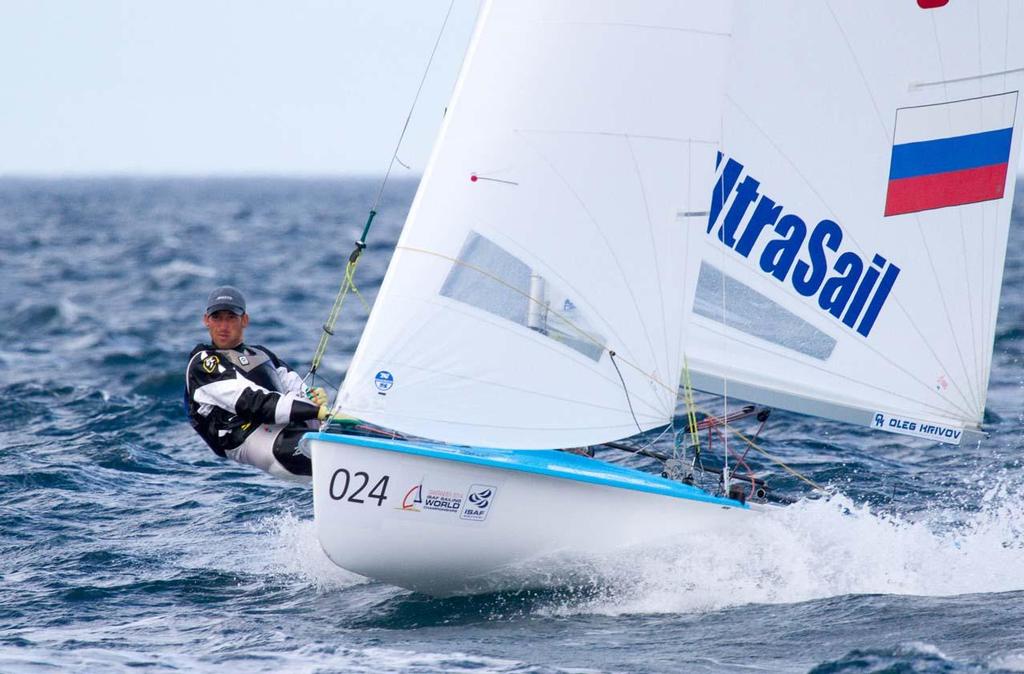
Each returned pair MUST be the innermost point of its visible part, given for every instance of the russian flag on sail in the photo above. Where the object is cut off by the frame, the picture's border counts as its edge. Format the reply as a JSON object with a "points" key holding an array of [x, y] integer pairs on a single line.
{"points": [[949, 154]]}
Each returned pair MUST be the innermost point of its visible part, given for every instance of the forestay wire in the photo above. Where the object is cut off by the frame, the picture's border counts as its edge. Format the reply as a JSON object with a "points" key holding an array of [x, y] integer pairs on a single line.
{"points": [[348, 280]]}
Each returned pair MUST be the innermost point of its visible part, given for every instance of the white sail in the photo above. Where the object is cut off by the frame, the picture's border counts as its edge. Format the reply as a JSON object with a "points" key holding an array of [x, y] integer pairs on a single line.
{"points": [[852, 261], [544, 238]]}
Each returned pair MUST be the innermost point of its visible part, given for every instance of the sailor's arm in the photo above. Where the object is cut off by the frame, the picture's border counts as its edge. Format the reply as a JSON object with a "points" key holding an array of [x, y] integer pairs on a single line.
{"points": [[293, 383], [290, 379]]}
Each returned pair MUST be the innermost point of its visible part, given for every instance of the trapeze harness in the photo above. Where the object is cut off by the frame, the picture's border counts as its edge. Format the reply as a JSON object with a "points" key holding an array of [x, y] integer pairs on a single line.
{"points": [[249, 407]]}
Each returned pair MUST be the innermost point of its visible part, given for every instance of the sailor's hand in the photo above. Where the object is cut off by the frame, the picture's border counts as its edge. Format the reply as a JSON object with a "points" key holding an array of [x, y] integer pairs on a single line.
{"points": [[317, 395], [323, 413]]}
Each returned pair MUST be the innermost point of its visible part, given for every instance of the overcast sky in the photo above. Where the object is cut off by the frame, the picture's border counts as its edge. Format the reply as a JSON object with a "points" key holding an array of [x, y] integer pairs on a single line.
{"points": [[200, 87], [222, 86]]}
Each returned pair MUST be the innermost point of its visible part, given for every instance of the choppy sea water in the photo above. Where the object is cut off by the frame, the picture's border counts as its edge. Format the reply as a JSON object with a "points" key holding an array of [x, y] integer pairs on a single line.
{"points": [[125, 544]]}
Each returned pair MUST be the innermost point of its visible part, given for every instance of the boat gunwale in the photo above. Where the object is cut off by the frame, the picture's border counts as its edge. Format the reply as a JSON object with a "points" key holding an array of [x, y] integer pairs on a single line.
{"points": [[537, 462]]}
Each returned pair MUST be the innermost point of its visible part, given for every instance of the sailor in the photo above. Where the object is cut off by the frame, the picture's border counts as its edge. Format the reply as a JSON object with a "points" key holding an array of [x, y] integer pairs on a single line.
{"points": [[243, 400]]}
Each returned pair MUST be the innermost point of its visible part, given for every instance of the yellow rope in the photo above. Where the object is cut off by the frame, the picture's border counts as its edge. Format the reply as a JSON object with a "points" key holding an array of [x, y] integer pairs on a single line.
{"points": [[691, 407], [776, 461], [347, 284]]}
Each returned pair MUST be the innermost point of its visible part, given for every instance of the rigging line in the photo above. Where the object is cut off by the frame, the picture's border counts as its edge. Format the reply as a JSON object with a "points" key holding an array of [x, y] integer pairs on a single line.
{"points": [[680, 340], [625, 389], [691, 408], [754, 445], [720, 198], [327, 329], [795, 473], [353, 259], [412, 107], [687, 226], [604, 238]]}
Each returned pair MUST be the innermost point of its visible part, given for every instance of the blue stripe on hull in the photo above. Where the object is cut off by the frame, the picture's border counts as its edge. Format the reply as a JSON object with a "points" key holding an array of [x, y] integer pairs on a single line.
{"points": [[950, 154], [549, 463]]}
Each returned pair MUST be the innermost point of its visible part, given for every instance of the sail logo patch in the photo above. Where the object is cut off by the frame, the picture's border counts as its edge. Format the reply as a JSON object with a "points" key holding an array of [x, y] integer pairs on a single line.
{"points": [[478, 502], [383, 380], [809, 259], [950, 154], [917, 428]]}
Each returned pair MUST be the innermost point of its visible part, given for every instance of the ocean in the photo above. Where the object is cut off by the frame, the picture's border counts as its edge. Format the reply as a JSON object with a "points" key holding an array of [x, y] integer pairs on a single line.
{"points": [[127, 545]]}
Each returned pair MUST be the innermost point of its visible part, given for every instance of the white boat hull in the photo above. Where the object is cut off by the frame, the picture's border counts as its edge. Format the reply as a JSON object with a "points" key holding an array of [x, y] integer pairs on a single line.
{"points": [[449, 521]]}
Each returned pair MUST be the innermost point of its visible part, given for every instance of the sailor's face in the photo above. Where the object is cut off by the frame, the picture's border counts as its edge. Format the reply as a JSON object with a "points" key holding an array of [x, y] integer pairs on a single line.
{"points": [[226, 328]]}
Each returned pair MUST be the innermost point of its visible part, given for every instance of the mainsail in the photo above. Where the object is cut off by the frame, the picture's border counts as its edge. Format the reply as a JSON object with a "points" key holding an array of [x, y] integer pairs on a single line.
{"points": [[532, 300], [851, 262]]}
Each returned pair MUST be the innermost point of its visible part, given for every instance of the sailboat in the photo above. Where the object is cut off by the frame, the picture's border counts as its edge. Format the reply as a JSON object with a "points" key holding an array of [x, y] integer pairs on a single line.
{"points": [[800, 205]]}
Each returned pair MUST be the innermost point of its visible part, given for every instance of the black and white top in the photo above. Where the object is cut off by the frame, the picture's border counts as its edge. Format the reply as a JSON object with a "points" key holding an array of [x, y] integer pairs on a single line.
{"points": [[230, 392]]}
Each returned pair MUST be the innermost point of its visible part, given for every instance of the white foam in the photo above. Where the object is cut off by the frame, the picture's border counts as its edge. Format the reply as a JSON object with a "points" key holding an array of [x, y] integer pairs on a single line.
{"points": [[1010, 662], [818, 549], [292, 549]]}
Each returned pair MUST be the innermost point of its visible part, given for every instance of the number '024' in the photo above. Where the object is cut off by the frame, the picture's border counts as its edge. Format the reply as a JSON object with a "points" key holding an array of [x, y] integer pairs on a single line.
{"points": [[343, 480]]}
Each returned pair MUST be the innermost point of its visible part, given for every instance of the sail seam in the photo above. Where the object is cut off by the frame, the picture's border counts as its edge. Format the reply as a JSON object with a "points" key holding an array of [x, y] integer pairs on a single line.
{"points": [[561, 316], [619, 134], [654, 254], [611, 249], [860, 69], [831, 373], [643, 26], [553, 273], [975, 341], [514, 330], [655, 415], [969, 78]]}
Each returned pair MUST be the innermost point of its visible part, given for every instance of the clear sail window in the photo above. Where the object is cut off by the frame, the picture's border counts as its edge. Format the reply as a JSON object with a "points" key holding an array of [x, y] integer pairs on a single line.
{"points": [[488, 277], [750, 312]]}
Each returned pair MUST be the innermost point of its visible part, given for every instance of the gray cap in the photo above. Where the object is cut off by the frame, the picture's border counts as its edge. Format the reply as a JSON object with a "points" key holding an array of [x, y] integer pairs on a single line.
{"points": [[226, 298]]}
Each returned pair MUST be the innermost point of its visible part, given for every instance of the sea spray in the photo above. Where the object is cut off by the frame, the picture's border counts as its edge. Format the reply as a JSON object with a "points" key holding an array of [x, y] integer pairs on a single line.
{"points": [[816, 549], [291, 548]]}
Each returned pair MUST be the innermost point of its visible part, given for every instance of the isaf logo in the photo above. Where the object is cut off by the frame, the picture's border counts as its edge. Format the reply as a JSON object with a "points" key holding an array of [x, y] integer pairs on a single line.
{"points": [[210, 363], [478, 503]]}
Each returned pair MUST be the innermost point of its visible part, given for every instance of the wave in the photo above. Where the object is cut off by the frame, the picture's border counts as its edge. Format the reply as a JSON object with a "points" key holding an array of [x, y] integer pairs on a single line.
{"points": [[822, 548]]}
